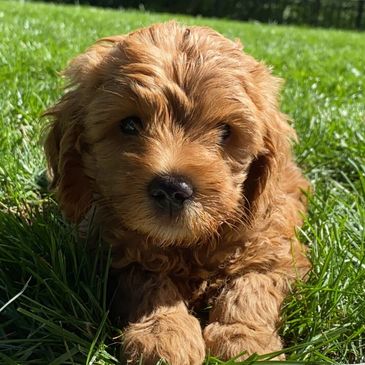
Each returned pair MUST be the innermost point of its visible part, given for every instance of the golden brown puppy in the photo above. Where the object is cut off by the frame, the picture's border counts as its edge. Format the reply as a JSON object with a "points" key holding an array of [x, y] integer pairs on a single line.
{"points": [[172, 137]]}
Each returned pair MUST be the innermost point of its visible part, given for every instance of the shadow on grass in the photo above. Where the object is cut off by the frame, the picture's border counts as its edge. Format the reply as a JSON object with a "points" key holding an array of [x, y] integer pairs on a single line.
{"points": [[60, 314]]}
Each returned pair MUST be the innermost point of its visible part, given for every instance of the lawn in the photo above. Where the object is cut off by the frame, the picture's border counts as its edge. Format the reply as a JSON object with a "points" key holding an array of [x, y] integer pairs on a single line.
{"points": [[52, 292]]}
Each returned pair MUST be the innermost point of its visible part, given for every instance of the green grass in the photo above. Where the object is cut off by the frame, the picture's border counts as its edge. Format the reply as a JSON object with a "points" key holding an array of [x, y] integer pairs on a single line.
{"points": [[58, 312]]}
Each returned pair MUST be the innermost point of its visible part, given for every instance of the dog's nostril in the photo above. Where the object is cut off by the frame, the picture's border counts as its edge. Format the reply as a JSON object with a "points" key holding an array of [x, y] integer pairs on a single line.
{"points": [[170, 192], [159, 194], [179, 197], [185, 193]]}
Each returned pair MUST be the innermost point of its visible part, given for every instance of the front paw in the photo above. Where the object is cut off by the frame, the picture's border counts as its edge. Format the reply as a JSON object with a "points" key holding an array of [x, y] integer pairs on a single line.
{"points": [[226, 341], [174, 337]]}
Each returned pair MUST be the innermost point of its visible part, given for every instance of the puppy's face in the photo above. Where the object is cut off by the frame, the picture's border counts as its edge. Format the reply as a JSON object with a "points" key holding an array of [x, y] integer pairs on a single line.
{"points": [[169, 122]]}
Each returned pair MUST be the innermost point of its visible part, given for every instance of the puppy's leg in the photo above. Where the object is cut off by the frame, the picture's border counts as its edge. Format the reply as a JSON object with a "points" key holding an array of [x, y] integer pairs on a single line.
{"points": [[245, 317], [160, 325]]}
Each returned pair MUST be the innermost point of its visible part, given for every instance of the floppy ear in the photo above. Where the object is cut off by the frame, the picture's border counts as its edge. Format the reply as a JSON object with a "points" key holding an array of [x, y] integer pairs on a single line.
{"points": [[277, 135], [63, 152], [63, 144]]}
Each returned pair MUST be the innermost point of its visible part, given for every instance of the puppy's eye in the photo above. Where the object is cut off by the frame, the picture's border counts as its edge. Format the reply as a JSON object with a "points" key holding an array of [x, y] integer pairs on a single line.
{"points": [[131, 125], [225, 132]]}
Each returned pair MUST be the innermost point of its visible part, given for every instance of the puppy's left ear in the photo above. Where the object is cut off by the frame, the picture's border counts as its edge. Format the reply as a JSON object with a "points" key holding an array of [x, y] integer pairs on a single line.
{"points": [[64, 145], [277, 136]]}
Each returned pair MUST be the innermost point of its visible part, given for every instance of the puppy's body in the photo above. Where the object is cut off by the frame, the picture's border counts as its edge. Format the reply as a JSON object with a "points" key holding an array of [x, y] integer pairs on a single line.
{"points": [[172, 136]]}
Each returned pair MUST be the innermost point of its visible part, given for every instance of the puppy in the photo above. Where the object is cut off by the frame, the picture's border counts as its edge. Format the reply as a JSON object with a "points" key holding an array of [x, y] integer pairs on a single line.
{"points": [[172, 139]]}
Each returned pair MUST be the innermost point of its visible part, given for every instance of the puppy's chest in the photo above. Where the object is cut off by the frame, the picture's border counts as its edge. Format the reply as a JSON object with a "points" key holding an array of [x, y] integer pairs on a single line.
{"points": [[197, 283], [199, 274], [200, 291]]}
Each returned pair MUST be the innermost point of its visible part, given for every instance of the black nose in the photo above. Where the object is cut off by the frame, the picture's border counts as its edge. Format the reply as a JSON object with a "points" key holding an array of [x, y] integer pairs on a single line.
{"points": [[170, 192]]}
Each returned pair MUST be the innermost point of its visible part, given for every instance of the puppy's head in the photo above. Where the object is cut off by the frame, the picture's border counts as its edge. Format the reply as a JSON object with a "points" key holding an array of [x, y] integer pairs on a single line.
{"points": [[174, 129]]}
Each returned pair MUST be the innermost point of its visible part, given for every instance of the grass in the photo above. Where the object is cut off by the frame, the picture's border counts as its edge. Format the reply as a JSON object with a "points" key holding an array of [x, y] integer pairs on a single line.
{"points": [[52, 293]]}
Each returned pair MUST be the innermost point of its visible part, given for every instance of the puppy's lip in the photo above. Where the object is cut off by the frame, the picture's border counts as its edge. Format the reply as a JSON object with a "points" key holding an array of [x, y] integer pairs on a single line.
{"points": [[165, 231]]}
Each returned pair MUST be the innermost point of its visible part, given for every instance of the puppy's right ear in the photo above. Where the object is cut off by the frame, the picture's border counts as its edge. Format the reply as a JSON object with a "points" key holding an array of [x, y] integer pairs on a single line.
{"points": [[63, 144]]}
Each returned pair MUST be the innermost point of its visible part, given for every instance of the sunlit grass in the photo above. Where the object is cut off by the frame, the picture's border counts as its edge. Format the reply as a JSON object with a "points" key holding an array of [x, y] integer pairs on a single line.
{"points": [[59, 316]]}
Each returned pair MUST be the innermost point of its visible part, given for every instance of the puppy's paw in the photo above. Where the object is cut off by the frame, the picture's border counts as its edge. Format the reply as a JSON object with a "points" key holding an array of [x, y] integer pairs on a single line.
{"points": [[174, 337], [227, 341]]}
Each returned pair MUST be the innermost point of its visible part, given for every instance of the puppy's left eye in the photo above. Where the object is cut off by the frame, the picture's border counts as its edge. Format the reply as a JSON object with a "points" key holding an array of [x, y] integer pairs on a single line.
{"points": [[225, 132], [131, 125]]}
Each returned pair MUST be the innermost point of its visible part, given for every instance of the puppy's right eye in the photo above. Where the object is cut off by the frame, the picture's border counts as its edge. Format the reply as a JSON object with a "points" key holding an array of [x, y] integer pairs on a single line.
{"points": [[225, 132], [131, 125]]}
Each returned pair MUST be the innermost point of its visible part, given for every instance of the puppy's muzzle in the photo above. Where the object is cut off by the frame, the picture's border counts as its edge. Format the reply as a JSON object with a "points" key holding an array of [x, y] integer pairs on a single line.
{"points": [[170, 193]]}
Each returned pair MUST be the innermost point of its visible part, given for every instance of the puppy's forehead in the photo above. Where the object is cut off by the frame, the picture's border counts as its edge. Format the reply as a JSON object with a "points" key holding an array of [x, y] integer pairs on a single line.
{"points": [[184, 68], [178, 53], [172, 38]]}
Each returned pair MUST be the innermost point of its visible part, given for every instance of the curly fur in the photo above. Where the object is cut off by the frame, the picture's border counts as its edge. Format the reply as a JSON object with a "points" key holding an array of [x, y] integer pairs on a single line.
{"points": [[234, 247]]}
